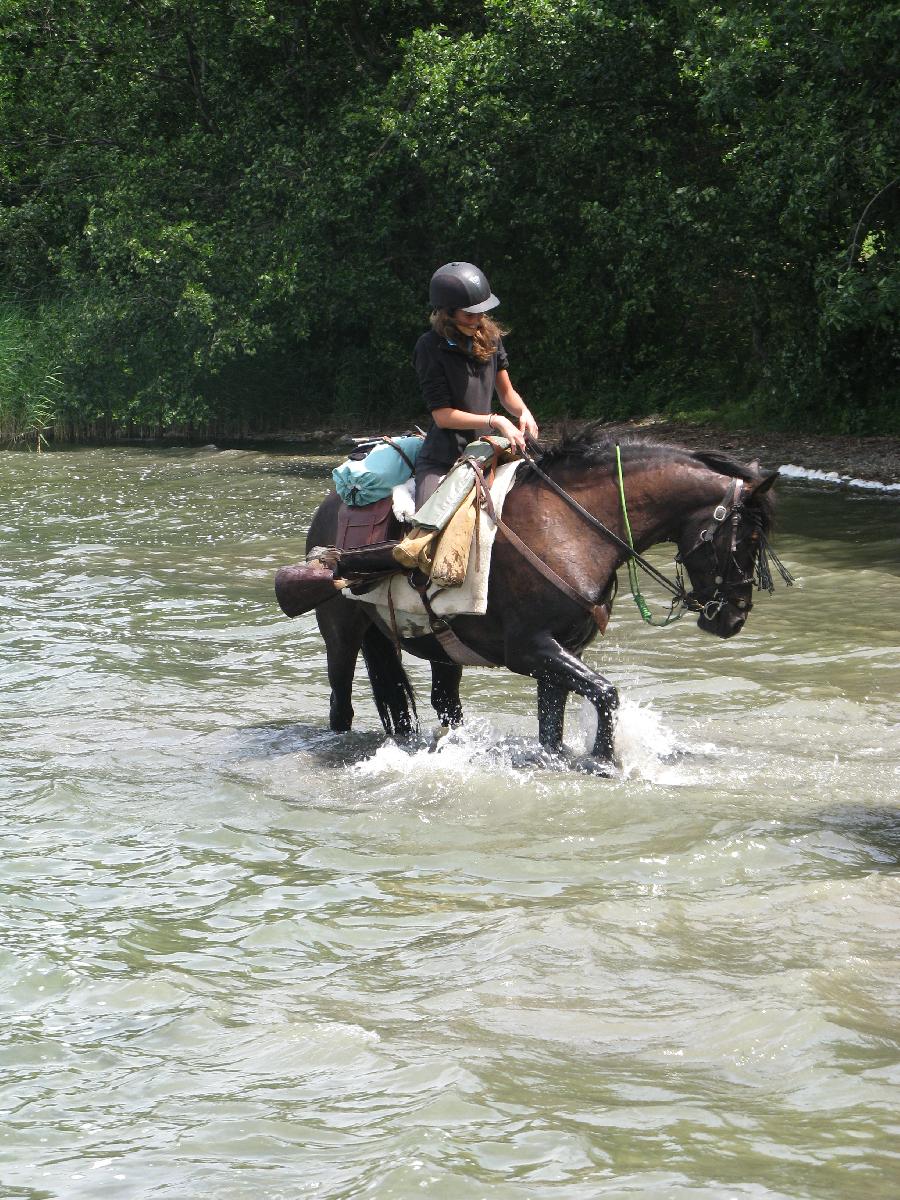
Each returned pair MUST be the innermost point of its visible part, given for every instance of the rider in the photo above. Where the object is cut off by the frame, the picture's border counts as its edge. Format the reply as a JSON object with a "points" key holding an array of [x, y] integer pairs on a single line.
{"points": [[460, 363]]}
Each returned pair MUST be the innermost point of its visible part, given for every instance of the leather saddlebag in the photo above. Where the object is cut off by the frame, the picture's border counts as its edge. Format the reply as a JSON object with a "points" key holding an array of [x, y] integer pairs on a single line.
{"points": [[364, 526]]}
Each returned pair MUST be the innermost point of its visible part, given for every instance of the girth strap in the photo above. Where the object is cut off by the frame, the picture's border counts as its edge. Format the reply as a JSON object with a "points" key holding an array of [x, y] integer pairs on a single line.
{"points": [[456, 649]]}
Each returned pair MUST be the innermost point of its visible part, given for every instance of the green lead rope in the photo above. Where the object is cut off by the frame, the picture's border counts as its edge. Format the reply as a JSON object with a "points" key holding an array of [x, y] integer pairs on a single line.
{"points": [[643, 607]]}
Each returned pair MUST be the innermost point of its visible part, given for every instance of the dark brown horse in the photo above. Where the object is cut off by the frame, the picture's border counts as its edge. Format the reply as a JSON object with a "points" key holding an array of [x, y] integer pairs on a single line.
{"points": [[567, 510]]}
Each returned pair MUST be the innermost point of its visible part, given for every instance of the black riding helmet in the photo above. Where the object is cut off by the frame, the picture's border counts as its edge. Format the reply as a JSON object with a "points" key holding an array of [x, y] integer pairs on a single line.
{"points": [[461, 285]]}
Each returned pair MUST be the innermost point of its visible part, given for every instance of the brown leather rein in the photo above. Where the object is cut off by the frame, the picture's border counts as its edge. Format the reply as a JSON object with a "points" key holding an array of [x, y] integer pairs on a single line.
{"points": [[598, 612], [677, 589]]}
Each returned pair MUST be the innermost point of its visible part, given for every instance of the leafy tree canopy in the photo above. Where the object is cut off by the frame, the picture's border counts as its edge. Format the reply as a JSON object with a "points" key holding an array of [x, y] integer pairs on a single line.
{"points": [[225, 215]]}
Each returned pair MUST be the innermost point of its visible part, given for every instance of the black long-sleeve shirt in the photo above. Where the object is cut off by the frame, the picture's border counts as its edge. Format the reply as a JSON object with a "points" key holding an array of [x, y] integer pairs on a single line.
{"points": [[452, 378]]}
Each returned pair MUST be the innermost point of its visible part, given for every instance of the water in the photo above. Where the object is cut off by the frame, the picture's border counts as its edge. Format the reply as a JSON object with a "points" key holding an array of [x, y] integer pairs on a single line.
{"points": [[248, 959]]}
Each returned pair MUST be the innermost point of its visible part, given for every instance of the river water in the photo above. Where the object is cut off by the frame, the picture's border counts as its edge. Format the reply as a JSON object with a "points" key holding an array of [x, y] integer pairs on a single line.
{"points": [[245, 958]]}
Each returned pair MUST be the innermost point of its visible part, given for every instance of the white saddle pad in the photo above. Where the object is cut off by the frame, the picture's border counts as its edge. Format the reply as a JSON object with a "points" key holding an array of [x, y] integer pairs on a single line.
{"points": [[470, 598]]}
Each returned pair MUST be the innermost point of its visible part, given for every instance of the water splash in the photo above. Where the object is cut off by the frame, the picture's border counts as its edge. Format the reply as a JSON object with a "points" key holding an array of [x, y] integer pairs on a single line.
{"points": [[646, 749], [473, 750]]}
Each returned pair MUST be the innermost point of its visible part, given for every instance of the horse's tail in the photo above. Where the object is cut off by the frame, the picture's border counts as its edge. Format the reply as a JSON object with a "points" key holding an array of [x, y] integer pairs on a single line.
{"points": [[390, 684]]}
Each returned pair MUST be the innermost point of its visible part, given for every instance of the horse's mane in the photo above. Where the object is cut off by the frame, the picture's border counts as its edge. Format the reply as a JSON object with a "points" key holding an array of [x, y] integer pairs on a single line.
{"points": [[592, 448]]}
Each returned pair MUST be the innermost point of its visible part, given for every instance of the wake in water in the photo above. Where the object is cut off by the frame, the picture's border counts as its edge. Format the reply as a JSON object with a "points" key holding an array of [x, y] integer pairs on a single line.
{"points": [[789, 471]]}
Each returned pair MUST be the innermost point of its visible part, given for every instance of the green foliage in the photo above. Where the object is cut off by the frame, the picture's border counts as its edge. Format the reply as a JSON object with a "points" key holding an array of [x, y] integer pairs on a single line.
{"points": [[800, 98], [29, 382], [223, 217]]}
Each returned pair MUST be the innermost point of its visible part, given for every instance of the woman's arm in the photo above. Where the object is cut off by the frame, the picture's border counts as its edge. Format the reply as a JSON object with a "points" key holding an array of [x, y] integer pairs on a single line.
{"points": [[513, 403], [458, 418]]}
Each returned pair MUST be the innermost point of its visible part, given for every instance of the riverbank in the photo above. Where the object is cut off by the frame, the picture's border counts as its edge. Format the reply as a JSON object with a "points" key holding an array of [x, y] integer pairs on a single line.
{"points": [[870, 459], [839, 457]]}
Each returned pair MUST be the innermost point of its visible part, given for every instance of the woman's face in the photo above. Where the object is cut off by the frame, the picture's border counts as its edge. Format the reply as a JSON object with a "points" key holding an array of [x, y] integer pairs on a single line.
{"points": [[467, 323]]}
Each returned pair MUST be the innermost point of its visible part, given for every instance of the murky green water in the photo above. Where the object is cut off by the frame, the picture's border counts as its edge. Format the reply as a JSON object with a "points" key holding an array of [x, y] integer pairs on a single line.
{"points": [[245, 958]]}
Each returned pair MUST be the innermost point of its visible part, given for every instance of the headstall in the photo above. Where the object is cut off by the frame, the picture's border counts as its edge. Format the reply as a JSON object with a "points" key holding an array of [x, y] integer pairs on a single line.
{"points": [[732, 509]]}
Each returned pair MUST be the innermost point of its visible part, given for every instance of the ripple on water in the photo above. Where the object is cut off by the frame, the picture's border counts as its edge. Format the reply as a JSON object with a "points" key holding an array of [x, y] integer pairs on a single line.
{"points": [[244, 956]]}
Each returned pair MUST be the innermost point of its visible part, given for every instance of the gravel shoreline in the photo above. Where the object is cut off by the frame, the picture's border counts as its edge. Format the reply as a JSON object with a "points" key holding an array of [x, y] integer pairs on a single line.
{"points": [[868, 458]]}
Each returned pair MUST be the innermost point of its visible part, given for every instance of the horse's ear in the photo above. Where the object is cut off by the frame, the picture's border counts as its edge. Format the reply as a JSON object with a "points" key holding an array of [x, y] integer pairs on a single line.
{"points": [[759, 489], [754, 466]]}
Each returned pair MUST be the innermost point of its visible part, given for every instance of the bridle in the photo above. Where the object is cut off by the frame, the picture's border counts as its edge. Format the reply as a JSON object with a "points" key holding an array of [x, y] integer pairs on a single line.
{"points": [[728, 575], [746, 521]]}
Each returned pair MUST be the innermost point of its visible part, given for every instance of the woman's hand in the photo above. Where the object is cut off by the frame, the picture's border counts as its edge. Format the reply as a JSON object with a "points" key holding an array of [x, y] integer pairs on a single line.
{"points": [[505, 428], [517, 408], [527, 424]]}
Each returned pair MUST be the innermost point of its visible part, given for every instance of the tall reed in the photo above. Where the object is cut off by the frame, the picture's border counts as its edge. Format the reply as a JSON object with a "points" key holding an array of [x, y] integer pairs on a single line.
{"points": [[30, 383]]}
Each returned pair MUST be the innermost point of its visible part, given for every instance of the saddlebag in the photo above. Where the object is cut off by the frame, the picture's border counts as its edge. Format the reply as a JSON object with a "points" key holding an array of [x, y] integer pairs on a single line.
{"points": [[365, 526]]}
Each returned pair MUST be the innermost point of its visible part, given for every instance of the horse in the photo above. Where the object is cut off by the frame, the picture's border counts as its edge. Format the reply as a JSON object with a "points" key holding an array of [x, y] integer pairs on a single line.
{"points": [[579, 509]]}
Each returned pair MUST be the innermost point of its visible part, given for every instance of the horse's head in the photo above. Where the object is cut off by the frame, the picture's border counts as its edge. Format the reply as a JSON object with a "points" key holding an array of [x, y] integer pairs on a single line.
{"points": [[725, 552]]}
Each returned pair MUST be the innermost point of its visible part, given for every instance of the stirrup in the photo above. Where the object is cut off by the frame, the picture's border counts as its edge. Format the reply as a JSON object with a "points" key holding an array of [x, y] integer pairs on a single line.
{"points": [[304, 586]]}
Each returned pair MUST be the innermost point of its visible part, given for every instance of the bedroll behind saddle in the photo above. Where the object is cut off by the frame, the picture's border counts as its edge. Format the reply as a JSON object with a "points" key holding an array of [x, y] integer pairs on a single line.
{"points": [[365, 478]]}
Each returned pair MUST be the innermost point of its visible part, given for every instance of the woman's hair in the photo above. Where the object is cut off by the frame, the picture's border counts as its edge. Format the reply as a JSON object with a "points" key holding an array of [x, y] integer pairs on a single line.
{"points": [[485, 341]]}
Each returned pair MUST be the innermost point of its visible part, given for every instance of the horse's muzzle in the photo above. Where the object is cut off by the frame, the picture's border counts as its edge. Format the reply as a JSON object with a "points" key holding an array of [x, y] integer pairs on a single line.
{"points": [[725, 624]]}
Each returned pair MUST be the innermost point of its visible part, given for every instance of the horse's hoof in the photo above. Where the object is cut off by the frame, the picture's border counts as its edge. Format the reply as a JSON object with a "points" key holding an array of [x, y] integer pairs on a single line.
{"points": [[603, 768], [437, 737], [676, 756], [410, 741], [525, 756]]}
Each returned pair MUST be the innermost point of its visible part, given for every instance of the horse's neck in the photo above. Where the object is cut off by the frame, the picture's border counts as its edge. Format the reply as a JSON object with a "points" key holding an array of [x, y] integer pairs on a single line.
{"points": [[660, 496]]}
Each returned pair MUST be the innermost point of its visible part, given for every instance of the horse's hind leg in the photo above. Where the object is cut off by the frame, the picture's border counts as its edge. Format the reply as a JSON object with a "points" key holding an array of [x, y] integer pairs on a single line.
{"points": [[391, 688], [445, 679], [342, 628]]}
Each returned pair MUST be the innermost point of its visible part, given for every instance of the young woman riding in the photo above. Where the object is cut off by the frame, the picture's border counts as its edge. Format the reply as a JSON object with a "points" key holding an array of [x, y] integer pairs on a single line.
{"points": [[460, 362]]}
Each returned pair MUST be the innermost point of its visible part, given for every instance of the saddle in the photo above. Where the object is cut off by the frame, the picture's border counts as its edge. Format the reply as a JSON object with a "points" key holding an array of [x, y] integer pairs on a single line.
{"points": [[437, 547], [369, 542]]}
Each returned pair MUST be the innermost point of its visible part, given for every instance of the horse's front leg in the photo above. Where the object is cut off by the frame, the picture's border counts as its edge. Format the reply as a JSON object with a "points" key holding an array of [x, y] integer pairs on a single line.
{"points": [[558, 672], [552, 698], [445, 679]]}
